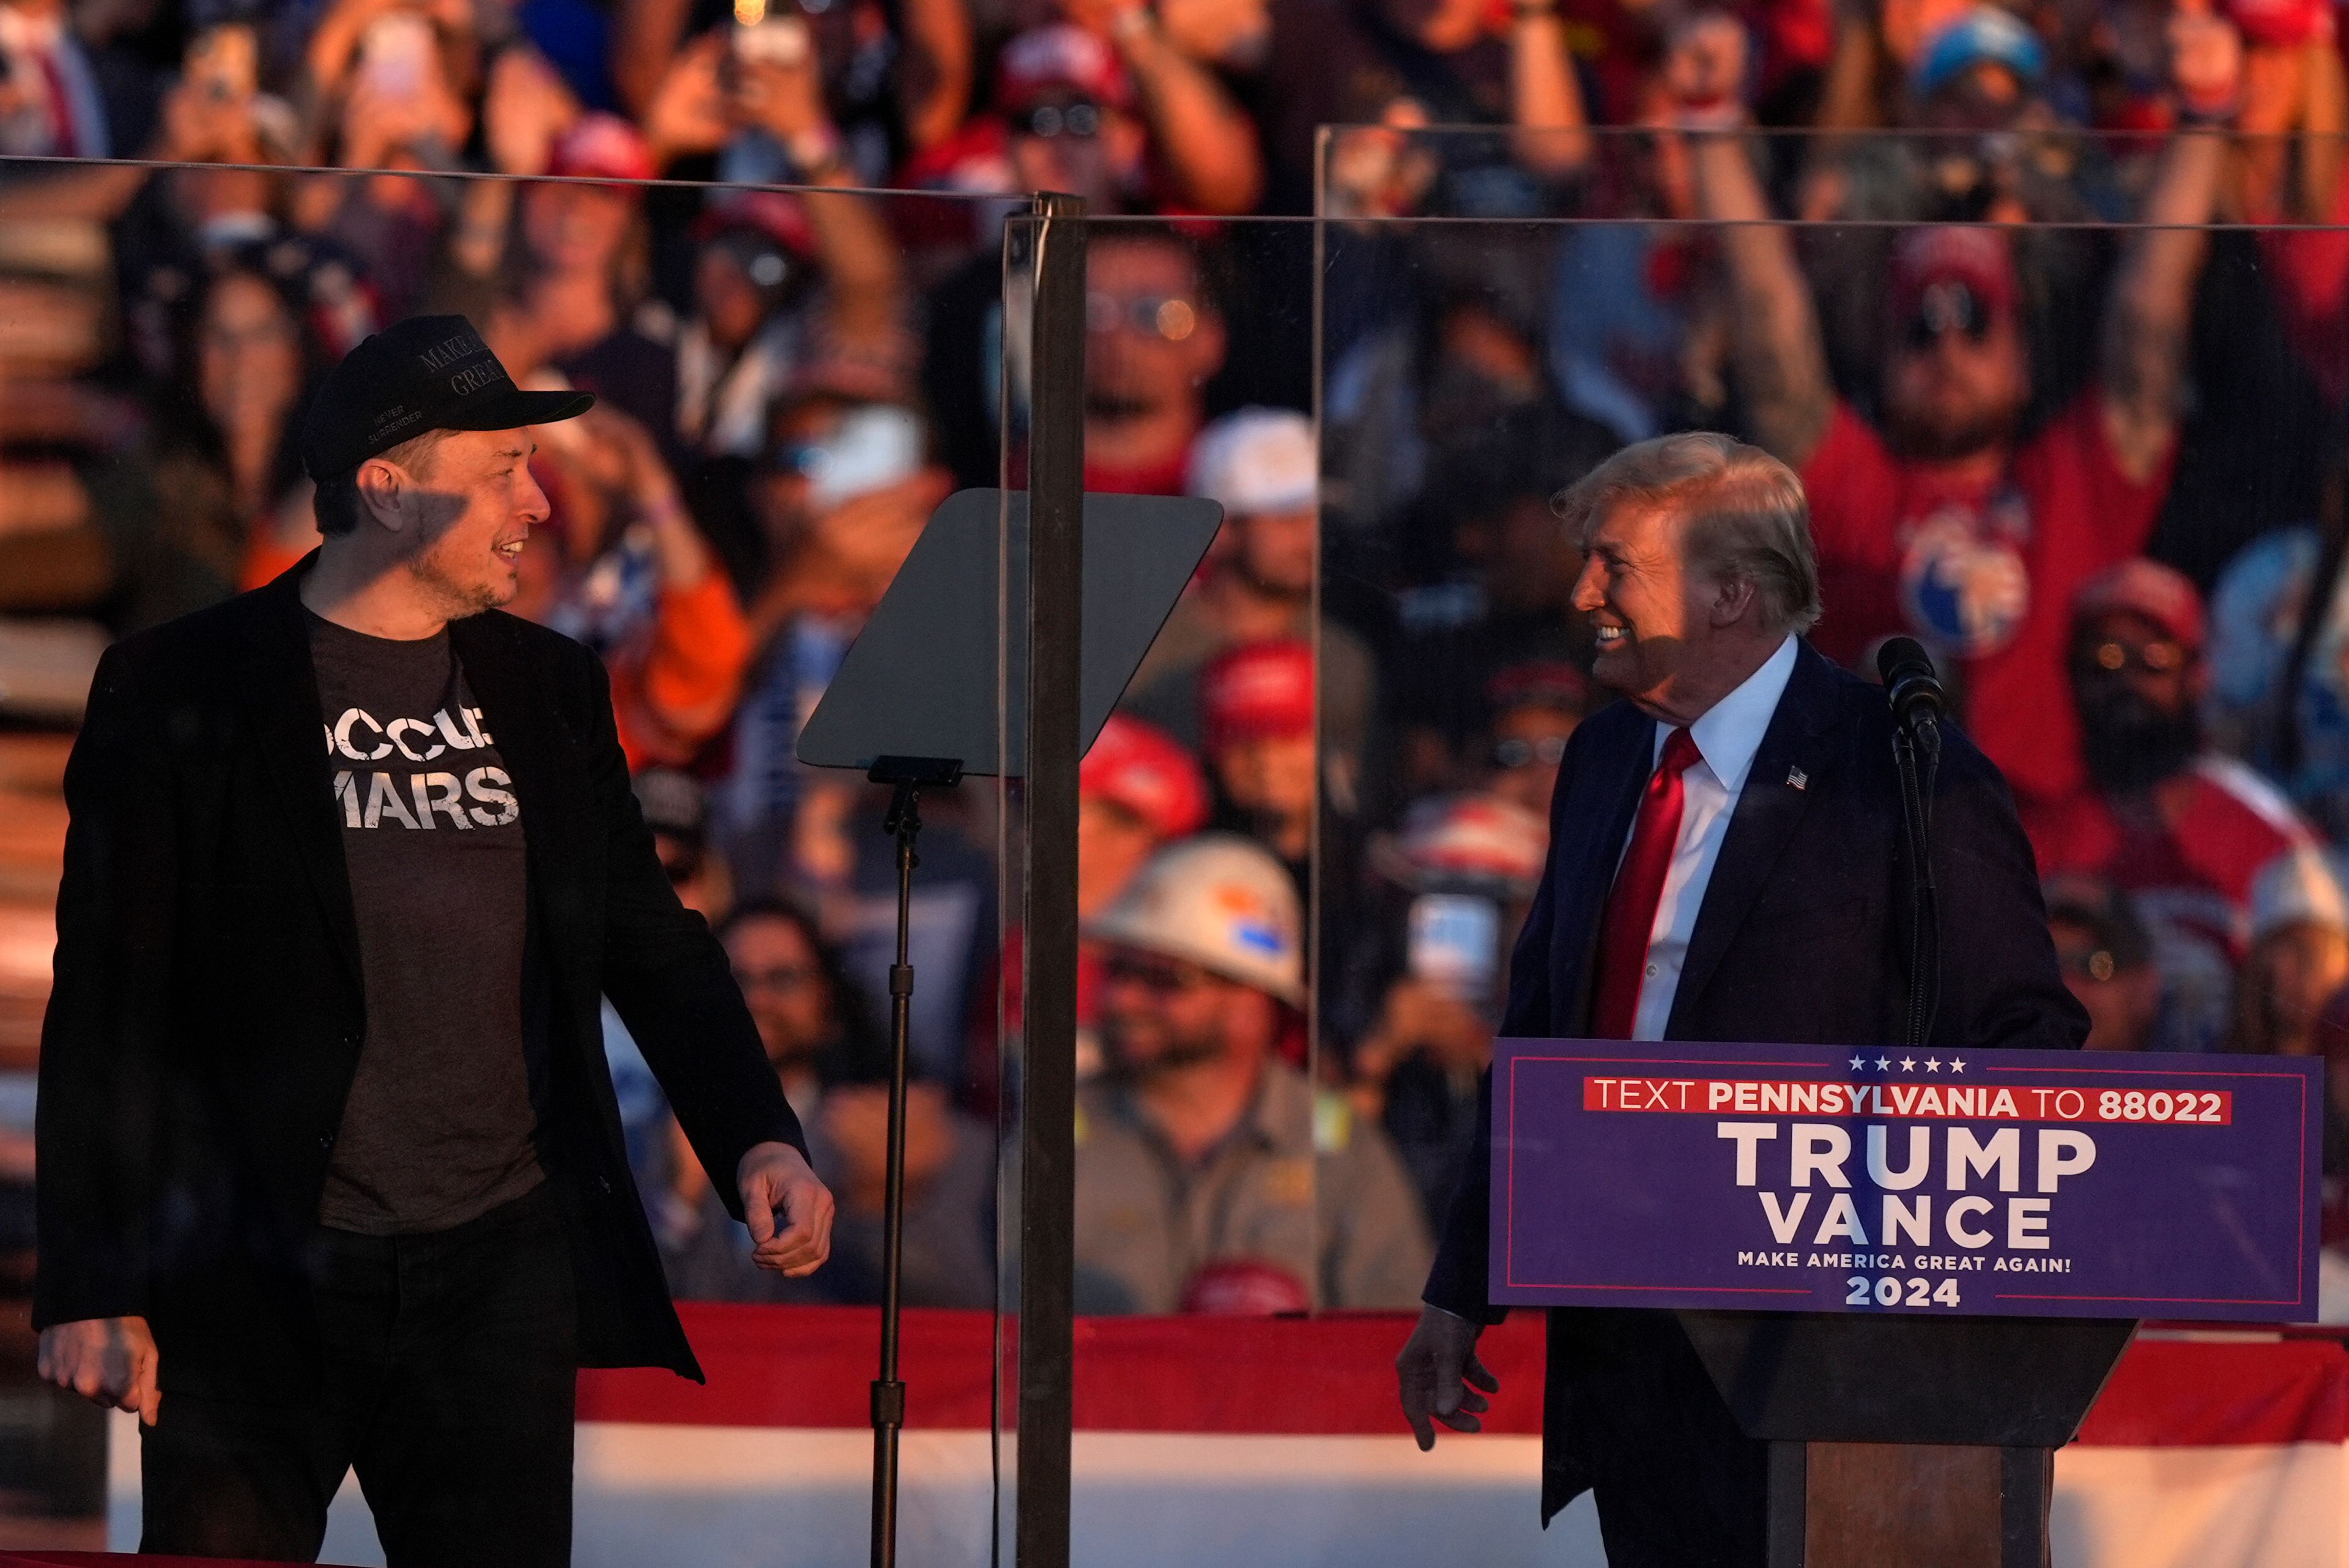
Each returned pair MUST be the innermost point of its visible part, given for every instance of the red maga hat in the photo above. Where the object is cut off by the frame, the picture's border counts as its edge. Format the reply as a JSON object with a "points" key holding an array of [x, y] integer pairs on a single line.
{"points": [[2163, 595], [1149, 772], [1972, 254], [1256, 691], [1056, 62], [601, 146]]}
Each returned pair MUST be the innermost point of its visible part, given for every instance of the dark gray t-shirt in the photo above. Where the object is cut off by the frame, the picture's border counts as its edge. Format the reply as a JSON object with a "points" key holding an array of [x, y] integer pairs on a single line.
{"points": [[438, 1128]]}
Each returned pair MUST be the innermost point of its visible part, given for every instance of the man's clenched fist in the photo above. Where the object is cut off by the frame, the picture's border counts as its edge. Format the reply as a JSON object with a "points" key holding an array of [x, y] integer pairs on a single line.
{"points": [[110, 1360]]}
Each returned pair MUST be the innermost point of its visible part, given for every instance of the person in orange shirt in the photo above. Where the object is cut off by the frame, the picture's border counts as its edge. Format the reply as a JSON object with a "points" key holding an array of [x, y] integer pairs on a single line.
{"points": [[627, 572]]}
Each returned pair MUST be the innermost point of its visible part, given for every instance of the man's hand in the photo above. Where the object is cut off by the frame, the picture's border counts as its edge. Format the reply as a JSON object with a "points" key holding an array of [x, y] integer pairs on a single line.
{"points": [[1436, 1369], [775, 1180], [107, 1360]]}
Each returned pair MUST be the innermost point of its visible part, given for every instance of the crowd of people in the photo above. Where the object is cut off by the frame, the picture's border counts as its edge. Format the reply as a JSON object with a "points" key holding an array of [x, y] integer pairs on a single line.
{"points": [[2050, 420]]}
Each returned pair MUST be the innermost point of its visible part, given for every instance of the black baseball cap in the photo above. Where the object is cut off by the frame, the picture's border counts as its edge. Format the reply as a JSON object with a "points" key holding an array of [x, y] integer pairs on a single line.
{"points": [[427, 373]]}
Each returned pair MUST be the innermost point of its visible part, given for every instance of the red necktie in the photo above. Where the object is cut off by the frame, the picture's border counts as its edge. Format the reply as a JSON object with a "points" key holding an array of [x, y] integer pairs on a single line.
{"points": [[1630, 915], [64, 137]]}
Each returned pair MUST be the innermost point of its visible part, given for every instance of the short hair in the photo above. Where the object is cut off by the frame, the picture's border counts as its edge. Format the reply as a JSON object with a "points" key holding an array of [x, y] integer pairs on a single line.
{"points": [[336, 504], [1746, 514]]}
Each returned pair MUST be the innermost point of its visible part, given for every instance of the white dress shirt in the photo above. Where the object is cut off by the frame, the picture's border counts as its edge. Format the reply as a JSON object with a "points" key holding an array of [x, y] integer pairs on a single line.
{"points": [[1727, 735]]}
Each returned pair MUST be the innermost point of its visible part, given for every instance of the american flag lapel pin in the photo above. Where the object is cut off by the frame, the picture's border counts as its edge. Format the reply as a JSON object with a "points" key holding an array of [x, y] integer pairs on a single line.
{"points": [[1797, 778]]}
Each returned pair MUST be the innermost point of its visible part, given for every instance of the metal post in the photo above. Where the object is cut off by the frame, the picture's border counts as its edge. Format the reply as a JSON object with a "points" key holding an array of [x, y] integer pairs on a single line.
{"points": [[907, 775], [1056, 485], [888, 1390]]}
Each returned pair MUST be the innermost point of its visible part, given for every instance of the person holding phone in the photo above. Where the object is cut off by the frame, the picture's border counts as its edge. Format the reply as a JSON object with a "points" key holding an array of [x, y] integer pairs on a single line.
{"points": [[628, 574]]}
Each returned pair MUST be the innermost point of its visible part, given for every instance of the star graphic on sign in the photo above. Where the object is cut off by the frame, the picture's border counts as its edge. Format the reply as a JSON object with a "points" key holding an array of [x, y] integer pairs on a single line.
{"points": [[1932, 1065], [1884, 1063], [1858, 1063], [1908, 1063], [1956, 1065]]}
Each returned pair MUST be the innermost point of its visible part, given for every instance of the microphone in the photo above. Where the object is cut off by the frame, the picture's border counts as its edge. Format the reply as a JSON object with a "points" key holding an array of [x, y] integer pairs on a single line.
{"points": [[1906, 671]]}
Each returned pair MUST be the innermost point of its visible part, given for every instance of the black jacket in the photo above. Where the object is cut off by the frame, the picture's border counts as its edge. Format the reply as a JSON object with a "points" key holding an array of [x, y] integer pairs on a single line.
{"points": [[207, 1012], [1801, 939]]}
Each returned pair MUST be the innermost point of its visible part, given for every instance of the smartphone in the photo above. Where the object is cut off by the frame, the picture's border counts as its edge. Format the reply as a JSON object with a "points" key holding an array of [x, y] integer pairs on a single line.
{"points": [[396, 52], [766, 36], [1454, 942], [224, 62]]}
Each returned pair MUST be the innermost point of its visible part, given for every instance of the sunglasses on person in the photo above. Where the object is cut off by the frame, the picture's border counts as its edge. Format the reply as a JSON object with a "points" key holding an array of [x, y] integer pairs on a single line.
{"points": [[1515, 753], [1165, 315], [2114, 657], [1947, 307], [1082, 121], [1160, 977]]}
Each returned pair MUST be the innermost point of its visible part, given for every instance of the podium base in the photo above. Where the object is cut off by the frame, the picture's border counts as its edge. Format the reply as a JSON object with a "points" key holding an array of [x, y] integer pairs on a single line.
{"points": [[1920, 1505]]}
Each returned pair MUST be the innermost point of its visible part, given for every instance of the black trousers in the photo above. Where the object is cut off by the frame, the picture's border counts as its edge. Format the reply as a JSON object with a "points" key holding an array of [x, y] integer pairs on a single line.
{"points": [[451, 1369]]}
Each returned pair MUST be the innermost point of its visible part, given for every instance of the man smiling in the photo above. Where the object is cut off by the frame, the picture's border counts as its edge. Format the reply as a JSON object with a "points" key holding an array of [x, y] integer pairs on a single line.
{"points": [[331, 1170], [1724, 864]]}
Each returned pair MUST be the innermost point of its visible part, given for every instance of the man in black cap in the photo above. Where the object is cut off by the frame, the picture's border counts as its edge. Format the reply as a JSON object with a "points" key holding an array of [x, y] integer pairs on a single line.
{"points": [[331, 1172]]}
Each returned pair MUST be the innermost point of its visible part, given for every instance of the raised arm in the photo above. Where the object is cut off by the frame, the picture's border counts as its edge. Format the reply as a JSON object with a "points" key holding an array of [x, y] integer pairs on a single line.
{"points": [[2146, 318], [864, 277], [645, 39], [1545, 94], [1773, 327], [935, 94], [1205, 141]]}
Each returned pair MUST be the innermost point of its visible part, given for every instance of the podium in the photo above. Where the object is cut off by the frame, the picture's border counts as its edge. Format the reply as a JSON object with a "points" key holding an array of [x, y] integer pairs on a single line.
{"points": [[1907, 1271], [1922, 1443]]}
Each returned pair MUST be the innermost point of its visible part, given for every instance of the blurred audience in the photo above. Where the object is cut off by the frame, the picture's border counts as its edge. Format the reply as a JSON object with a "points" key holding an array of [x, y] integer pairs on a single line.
{"points": [[1153, 334], [1261, 465], [2002, 412], [1211, 1175], [834, 1066], [1954, 521], [2107, 960], [1138, 790], [1468, 866], [1256, 709], [2296, 965], [2191, 834]]}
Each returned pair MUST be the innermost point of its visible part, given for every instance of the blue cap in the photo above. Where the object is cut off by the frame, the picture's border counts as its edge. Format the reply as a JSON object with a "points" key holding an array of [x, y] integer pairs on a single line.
{"points": [[1986, 36]]}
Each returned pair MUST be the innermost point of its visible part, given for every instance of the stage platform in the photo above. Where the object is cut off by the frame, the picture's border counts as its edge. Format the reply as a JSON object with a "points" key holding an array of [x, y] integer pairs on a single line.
{"points": [[1272, 1443]]}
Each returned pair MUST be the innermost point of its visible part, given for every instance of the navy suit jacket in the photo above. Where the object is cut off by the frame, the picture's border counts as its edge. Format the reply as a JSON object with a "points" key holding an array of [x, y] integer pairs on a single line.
{"points": [[1802, 937]]}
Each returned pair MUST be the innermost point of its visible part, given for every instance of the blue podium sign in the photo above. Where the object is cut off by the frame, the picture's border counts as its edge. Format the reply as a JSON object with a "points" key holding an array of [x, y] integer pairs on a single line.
{"points": [[1818, 1179]]}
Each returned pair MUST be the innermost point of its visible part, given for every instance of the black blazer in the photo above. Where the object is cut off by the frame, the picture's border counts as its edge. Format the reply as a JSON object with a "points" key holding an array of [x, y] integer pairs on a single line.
{"points": [[1801, 939], [207, 1012]]}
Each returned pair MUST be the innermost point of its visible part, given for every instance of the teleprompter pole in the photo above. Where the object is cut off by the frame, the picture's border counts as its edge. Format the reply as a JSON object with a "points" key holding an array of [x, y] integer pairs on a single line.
{"points": [[909, 776], [1056, 499]]}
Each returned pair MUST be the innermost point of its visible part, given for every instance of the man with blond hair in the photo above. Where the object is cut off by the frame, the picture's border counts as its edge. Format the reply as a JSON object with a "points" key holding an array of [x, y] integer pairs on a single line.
{"points": [[1724, 864]]}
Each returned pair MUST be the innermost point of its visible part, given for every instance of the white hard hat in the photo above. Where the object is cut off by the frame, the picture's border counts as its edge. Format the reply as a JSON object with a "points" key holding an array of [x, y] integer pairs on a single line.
{"points": [[2298, 887], [1219, 901], [1257, 460]]}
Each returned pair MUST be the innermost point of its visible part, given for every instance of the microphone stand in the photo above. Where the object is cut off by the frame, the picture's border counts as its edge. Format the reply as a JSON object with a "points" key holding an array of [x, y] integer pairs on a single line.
{"points": [[1917, 751], [908, 776]]}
